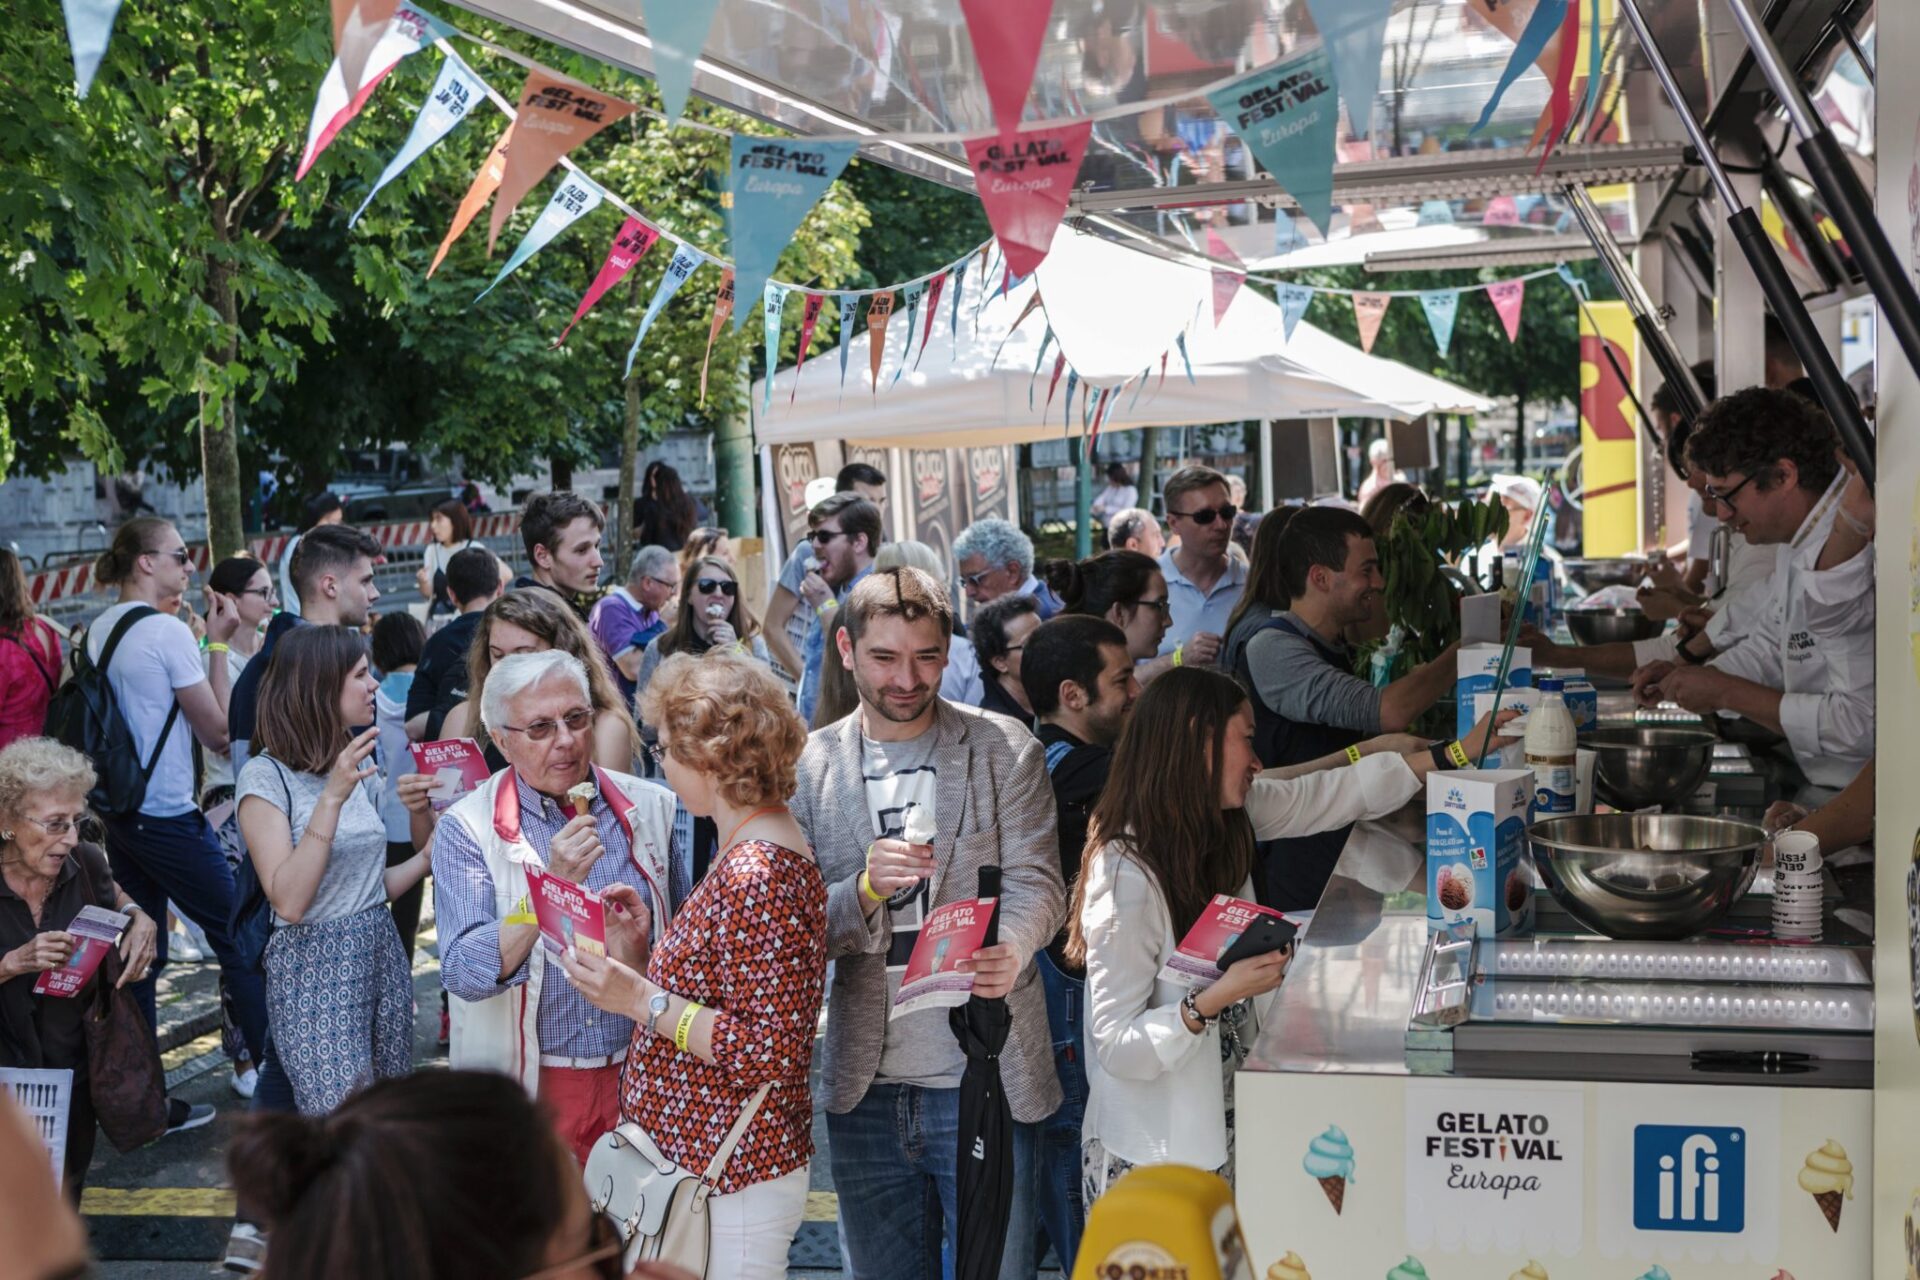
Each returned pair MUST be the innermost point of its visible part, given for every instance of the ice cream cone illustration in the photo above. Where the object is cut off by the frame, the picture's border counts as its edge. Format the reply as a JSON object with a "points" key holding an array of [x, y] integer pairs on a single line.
{"points": [[1827, 1175], [1656, 1272], [1330, 1159], [1411, 1269], [1289, 1268], [1532, 1271]]}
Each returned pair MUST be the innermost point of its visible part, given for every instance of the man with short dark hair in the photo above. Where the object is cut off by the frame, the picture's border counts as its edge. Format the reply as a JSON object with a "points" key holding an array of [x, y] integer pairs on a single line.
{"points": [[1203, 582], [785, 625], [561, 532], [845, 535], [891, 1085], [628, 617], [440, 681]]}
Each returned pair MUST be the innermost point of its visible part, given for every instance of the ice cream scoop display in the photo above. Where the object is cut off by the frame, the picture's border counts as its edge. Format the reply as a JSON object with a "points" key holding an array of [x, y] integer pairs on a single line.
{"points": [[1532, 1271], [1827, 1176], [1289, 1268], [1411, 1269]]}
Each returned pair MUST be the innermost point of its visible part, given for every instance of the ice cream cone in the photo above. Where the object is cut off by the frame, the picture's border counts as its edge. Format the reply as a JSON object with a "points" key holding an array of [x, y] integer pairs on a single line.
{"points": [[1827, 1176], [1289, 1268], [1336, 1189], [1830, 1204]]}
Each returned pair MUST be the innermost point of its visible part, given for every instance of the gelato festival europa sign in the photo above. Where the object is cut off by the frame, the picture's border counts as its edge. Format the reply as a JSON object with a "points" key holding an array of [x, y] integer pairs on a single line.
{"points": [[1496, 1167]]}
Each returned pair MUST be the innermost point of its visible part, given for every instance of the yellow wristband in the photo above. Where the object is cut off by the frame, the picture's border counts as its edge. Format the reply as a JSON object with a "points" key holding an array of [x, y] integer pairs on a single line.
{"points": [[684, 1027], [522, 913], [1179, 654], [1457, 752], [827, 608], [866, 887], [215, 647], [1353, 755]]}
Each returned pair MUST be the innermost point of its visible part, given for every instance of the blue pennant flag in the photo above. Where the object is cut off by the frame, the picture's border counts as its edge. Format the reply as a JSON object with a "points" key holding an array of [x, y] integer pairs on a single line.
{"points": [[1287, 235], [1181, 339], [775, 182], [1546, 19], [1039, 360], [1137, 390], [1294, 300], [913, 292], [1288, 117], [1441, 306], [456, 92], [575, 198], [776, 305], [1571, 280], [1355, 32], [89, 25], [849, 312], [686, 261], [678, 29], [1435, 213], [1073, 380]]}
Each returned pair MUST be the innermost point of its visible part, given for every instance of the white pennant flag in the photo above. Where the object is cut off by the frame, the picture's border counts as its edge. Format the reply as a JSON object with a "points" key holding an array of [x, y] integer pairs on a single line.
{"points": [[456, 92]]}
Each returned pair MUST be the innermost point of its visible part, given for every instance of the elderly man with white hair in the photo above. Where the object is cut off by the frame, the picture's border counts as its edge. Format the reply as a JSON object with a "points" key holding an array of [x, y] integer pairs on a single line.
{"points": [[995, 559], [552, 811]]}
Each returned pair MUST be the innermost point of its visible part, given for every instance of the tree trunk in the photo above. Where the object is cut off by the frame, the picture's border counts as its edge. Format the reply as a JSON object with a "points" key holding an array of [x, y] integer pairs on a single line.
{"points": [[219, 442], [561, 471], [623, 547], [733, 468], [1520, 431], [1149, 463]]}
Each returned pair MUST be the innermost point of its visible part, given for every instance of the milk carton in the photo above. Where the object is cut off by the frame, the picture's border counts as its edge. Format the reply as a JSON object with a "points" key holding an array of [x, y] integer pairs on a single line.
{"points": [[1521, 700], [1478, 667], [1476, 850], [1583, 700]]}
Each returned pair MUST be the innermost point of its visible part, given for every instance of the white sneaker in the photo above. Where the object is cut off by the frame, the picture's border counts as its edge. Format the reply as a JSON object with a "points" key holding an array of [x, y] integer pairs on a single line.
{"points": [[180, 947], [246, 1248], [245, 1082]]}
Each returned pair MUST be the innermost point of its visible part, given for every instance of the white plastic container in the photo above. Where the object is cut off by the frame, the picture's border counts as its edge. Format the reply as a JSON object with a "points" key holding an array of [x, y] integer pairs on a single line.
{"points": [[1552, 743]]}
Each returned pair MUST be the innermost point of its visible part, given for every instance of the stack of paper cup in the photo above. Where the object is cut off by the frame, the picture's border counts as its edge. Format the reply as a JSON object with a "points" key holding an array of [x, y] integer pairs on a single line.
{"points": [[1796, 885]]}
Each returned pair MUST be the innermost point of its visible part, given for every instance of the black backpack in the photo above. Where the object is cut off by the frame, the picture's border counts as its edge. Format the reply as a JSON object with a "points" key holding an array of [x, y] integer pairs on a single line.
{"points": [[85, 715]]}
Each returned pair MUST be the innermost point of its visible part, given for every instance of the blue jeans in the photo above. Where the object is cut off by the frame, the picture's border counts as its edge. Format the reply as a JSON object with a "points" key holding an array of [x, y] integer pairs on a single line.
{"points": [[1057, 1193], [894, 1159], [179, 858]]}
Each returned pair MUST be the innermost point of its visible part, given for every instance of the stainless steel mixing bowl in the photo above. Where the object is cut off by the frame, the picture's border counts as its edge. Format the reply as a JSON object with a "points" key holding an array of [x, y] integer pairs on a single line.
{"points": [[1609, 626], [1655, 876], [1593, 575], [1638, 768]]}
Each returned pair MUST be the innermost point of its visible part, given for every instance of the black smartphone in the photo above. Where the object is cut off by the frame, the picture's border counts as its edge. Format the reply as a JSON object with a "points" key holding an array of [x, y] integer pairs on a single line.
{"points": [[1267, 933]]}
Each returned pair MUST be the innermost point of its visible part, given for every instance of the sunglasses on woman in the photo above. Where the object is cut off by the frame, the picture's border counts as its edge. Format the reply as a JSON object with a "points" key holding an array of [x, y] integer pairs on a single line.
{"points": [[725, 586]]}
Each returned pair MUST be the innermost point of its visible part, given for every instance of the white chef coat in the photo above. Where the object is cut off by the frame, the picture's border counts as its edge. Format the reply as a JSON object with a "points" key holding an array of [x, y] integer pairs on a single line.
{"points": [[1749, 594], [1814, 643]]}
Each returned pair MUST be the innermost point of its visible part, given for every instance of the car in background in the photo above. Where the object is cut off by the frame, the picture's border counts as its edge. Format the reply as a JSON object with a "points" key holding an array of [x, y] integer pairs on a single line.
{"points": [[394, 483]]}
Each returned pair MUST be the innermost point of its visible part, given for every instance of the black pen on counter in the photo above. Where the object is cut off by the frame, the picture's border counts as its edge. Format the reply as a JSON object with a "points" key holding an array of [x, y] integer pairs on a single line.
{"points": [[1750, 1057]]}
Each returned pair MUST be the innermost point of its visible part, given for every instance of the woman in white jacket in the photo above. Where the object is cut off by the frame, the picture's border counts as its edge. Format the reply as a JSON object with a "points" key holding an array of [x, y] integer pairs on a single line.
{"points": [[1172, 829]]}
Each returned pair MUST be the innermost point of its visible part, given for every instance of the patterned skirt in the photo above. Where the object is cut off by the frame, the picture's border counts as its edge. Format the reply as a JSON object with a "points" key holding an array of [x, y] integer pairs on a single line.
{"points": [[339, 1006]]}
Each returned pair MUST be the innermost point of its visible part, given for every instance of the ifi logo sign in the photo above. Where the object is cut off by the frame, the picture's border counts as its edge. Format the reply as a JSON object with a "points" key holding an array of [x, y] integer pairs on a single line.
{"points": [[1689, 1178]]}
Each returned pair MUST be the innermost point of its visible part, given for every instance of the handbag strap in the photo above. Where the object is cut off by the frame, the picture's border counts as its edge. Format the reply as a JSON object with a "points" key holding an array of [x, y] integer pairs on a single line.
{"points": [[732, 1140]]}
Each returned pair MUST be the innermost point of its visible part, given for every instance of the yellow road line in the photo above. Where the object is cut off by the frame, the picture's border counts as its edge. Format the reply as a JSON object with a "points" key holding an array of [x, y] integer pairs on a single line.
{"points": [[157, 1202], [185, 1053]]}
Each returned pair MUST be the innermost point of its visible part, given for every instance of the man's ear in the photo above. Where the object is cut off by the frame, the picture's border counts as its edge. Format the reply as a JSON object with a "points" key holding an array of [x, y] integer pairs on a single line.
{"points": [[541, 556], [1788, 472]]}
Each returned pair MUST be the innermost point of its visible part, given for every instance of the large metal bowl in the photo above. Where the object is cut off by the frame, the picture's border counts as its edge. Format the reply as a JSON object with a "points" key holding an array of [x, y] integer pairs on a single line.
{"points": [[1592, 575], [1610, 626], [1638, 768], [1655, 876]]}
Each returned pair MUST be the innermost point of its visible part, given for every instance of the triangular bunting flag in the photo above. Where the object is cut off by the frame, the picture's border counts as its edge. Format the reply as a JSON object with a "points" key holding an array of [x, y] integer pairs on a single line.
{"points": [[986, 279], [1288, 117], [409, 31], [1059, 365], [575, 198], [1369, 309], [1137, 390], [1435, 213], [485, 183], [1046, 341], [809, 317], [1161, 385], [878, 312], [1560, 102], [1073, 382], [775, 181], [1024, 185], [89, 27], [686, 261], [1226, 281], [1180, 340], [1546, 20], [1596, 63], [1507, 297], [1287, 235], [1441, 306], [849, 312], [1007, 35], [913, 292], [722, 308], [1355, 32], [357, 28], [1033, 304], [934, 289], [959, 287], [1294, 300], [774, 302], [630, 244], [678, 29], [1501, 211], [1572, 281], [555, 116], [456, 91]]}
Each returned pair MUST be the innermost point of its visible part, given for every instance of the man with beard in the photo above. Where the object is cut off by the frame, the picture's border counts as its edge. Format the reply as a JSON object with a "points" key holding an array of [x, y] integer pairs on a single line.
{"points": [[1081, 684], [845, 536], [979, 782]]}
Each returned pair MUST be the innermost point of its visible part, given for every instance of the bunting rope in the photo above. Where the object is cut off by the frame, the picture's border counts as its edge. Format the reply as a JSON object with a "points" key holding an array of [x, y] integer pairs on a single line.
{"points": [[1541, 274]]}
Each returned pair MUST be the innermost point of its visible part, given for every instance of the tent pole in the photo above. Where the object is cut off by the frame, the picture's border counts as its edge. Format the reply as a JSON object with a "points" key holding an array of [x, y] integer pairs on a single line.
{"points": [[1082, 499]]}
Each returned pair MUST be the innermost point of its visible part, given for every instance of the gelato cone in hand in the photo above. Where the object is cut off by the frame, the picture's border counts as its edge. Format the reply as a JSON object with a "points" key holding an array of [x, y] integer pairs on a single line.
{"points": [[1532, 1271], [1330, 1159], [918, 827], [1411, 1269], [581, 794], [716, 611], [1289, 1268], [1826, 1176]]}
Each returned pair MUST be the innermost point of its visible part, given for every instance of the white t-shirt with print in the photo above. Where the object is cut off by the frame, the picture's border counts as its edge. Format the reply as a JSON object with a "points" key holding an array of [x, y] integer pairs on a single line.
{"points": [[155, 657]]}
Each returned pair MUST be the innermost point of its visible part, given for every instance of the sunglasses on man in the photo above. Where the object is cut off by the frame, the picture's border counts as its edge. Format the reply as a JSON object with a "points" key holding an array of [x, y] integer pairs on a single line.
{"points": [[1204, 516]]}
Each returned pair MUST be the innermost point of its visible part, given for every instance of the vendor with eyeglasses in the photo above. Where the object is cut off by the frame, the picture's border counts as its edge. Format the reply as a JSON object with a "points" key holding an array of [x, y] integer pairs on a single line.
{"points": [[1203, 582]]}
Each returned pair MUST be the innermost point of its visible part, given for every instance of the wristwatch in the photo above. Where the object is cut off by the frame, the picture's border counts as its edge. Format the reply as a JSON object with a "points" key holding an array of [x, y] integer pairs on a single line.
{"points": [[1190, 1004], [655, 1007]]}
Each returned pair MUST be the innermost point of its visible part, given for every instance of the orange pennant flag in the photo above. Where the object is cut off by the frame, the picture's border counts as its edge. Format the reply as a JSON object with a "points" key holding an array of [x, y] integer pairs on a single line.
{"points": [[485, 183], [877, 312], [1369, 309], [555, 116], [722, 309]]}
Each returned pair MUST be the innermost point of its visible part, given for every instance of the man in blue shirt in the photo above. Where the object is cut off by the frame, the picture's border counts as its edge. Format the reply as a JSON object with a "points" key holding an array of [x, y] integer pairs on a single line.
{"points": [[1203, 582], [845, 535]]}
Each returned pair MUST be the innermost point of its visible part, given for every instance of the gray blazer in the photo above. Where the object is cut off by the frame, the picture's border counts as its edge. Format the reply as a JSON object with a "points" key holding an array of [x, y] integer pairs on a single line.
{"points": [[994, 805]]}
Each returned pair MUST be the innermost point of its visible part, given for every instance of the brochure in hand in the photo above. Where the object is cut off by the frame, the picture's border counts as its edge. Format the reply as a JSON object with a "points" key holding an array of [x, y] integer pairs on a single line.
{"points": [[1197, 960], [94, 930], [570, 915], [456, 765], [951, 934]]}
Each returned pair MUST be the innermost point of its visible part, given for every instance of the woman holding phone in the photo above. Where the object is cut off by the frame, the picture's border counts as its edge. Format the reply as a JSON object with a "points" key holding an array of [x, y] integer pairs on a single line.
{"points": [[339, 993]]}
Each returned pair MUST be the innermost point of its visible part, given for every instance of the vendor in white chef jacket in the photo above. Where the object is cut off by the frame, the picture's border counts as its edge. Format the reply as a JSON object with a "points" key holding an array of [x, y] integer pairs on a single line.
{"points": [[1772, 467]]}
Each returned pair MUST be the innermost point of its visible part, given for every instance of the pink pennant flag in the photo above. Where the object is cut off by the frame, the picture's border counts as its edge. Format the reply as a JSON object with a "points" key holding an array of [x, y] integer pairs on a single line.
{"points": [[1369, 309], [722, 311], [1502, 211], [809, 317], [935, 288], [1507, 297], [1007, 35], [1560, 104], [1226, 282], [1024, 184], [629, 246], [1059, 364]]}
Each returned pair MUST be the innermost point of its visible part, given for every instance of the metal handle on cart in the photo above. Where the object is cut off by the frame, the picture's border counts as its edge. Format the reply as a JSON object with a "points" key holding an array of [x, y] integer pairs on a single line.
{"points": [[1444, 992]]}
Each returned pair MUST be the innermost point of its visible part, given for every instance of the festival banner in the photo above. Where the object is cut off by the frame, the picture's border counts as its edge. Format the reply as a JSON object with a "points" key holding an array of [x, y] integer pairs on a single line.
{"points": [[774, 303], [555, 116], [89, 27], [357, 28], [1007, 35], [1024, 183], [1435, 213], [1501, 211], [456, 91], [878, 311], [575, 198], [686, 261], [775, 182], [849, 313], [722, 308], [1355, 32], [809, 317], [1369, 309], [630, 244], [410, 31], [678, 29], [1442, 307], [485, 183], [1541, 27], [1507, 297], [1610, 448], [1226, 281], [1287, 115], [934, 289], [1294, 300], [913, 292]]}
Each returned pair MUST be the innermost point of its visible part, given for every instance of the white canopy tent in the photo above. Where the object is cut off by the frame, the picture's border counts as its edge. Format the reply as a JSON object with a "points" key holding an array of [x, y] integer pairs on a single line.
{"points": [[1113, 311]]}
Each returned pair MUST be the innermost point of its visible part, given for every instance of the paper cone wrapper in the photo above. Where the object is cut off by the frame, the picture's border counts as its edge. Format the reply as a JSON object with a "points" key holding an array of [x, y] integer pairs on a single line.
{"points": [[1830, 1203], [1336, 1189]]}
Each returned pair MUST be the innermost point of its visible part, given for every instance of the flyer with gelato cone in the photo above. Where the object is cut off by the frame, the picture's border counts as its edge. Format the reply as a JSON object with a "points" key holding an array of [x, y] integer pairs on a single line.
{"points": [[932, 979], [456, 766], [570, 915], [1196, 961], [1329, 1158], [1827, 1176]]}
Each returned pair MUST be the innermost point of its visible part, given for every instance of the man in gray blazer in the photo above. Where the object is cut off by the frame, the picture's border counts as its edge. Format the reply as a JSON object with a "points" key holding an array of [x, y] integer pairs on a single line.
{"points": [[909, 760]]}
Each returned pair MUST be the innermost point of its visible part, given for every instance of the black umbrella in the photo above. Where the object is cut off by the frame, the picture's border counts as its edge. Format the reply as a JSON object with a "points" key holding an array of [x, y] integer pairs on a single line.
{"points": [[986, 1124]]}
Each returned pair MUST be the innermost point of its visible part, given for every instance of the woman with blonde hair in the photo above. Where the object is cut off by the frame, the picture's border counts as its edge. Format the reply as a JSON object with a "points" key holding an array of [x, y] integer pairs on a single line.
{"points": [[725, 1005], [534, 620]]}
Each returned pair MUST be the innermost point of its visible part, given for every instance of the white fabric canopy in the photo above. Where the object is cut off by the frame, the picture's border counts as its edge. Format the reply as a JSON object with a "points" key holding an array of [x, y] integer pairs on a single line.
{"points": [[1113, 311]]}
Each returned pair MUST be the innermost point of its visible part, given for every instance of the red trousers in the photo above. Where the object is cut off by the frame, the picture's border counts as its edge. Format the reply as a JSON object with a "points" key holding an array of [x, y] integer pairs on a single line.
{"points": [[583, 1104]]}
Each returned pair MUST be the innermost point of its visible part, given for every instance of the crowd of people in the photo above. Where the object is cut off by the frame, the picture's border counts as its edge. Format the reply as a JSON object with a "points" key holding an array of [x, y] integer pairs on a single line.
{"points": [[1123, 736]]}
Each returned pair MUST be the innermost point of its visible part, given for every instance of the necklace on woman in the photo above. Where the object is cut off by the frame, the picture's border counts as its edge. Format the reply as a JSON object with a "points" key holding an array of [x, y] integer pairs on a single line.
{"points": [[741, 825]]}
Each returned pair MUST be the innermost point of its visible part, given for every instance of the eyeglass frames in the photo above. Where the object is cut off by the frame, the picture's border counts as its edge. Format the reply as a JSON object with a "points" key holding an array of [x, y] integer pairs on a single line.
{"points": [[576, 721], [1204, 516]]}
